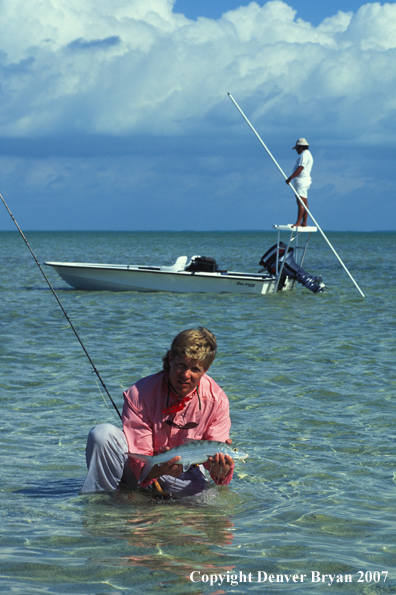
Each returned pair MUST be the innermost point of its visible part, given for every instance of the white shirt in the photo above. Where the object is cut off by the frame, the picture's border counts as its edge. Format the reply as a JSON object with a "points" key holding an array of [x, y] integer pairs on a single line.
{"points": [[306, 160]]}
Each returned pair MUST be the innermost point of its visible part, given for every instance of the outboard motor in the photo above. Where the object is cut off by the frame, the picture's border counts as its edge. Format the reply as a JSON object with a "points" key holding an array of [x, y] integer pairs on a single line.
{"points": [[202, 264], [290, 269]]}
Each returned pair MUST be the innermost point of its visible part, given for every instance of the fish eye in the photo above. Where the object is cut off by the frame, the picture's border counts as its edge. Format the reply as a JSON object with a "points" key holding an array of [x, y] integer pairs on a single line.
{"points": [[235, 450]]}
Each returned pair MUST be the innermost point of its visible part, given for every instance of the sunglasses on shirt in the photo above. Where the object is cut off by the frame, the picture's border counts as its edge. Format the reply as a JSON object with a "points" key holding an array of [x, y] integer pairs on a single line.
{"points": [[187, 426]]}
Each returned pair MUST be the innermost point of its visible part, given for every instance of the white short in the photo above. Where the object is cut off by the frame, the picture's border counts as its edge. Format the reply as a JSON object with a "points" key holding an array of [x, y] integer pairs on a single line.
{"points": [[301, 187]]}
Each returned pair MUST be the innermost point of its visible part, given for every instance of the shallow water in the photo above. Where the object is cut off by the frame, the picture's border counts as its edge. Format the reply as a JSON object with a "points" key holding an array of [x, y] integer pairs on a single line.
{"points": [[311, 384]]}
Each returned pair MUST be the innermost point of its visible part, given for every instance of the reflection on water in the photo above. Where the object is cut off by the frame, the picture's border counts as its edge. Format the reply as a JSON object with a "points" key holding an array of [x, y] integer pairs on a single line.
{"points": [[163, 535]]}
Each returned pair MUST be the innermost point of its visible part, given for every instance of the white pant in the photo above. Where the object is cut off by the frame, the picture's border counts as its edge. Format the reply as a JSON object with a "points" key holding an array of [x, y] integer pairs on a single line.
{"points": [[107, 463]]}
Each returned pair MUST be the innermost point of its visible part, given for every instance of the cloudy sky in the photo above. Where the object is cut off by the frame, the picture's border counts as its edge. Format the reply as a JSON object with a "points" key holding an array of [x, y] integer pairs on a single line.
{"points": [[114, 115]]}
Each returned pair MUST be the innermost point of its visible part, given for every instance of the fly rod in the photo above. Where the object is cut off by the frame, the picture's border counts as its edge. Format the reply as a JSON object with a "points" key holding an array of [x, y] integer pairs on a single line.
{"points": [[62, 308], [296, 193]]}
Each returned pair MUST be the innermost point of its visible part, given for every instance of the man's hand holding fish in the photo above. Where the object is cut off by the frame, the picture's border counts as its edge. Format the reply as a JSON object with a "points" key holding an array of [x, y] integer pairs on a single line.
{"points": [[220, 464], [170, 468]]}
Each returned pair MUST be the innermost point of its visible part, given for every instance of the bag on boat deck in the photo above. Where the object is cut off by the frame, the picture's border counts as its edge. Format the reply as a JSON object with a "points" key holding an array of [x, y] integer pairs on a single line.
{"points": [[202, 264]]}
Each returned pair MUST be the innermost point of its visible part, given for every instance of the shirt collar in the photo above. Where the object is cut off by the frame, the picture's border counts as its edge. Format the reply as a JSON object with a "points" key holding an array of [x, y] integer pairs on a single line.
{"points": [[182, 401]]}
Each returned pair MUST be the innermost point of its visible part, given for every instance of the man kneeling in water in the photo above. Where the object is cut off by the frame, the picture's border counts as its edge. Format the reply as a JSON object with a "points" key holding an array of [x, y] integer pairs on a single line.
{"points": [[163, 411]]}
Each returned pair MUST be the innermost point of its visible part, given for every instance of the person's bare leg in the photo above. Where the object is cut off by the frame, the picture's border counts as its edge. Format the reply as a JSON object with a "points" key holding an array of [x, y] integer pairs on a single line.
{"points": [[300, 212], [305, 216]]}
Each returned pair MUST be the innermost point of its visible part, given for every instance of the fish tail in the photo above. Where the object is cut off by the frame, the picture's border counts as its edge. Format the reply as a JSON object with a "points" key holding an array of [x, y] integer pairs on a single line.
{"points": [[145, 459], [145, 471]]}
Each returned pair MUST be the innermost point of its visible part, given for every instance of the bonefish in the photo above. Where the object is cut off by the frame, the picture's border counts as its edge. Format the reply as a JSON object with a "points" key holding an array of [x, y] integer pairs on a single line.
{"points": [[193, 452]]}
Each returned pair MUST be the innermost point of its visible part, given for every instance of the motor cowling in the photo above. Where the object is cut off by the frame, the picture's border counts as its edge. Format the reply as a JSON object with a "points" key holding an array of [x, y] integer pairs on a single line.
{"points": [[290, 269], [202, 264]]}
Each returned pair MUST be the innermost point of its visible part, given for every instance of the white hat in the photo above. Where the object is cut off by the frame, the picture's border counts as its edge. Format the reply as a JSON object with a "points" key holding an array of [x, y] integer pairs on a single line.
{"points": [[301, 142]]}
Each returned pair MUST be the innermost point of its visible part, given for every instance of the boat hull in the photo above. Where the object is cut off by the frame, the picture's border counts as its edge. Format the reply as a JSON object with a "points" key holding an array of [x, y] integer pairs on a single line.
{"points": [[100, 277]]}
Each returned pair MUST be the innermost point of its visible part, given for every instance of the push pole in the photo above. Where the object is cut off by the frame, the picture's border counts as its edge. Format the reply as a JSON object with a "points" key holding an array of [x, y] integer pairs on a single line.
{"points": [[296, 193]]}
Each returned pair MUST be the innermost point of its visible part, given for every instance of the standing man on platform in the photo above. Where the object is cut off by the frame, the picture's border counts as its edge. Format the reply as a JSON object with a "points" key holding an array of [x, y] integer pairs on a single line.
{"points": [[302, 179]]}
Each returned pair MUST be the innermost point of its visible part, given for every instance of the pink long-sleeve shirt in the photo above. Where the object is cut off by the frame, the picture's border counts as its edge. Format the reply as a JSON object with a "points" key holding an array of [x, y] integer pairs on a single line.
{"points": [[144, 424]]}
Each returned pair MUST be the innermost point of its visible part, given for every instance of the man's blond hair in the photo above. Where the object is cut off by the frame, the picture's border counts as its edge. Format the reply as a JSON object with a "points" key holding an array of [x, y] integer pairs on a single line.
{"points": [[196, 344]]}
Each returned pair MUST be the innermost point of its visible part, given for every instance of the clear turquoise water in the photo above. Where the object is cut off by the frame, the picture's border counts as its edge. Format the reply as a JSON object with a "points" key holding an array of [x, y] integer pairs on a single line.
{"points": [[311, 383]]}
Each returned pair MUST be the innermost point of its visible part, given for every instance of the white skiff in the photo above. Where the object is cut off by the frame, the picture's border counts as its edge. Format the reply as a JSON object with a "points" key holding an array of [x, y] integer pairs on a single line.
{"points": [[200, 274]]}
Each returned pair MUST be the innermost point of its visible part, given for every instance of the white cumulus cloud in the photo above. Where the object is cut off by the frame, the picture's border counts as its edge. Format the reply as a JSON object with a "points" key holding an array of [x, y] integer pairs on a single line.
{"points": [[88, 66]]}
